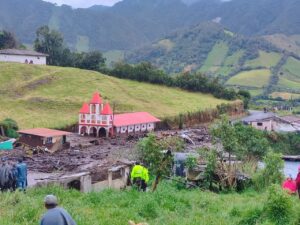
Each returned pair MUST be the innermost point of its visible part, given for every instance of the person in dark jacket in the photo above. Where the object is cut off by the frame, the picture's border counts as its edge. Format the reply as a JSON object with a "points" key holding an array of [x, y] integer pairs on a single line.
{"points": [[21, 172], [55, 215]]}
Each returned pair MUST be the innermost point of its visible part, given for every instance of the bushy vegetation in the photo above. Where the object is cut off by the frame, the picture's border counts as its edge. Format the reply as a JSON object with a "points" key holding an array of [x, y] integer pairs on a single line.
{"points": [[271, 172], [285, 143], [10, 127], [7, 40]]}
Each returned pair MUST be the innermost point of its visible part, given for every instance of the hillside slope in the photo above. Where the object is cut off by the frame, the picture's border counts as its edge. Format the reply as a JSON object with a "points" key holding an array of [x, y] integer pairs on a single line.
{"points": [[206, 47], [133, 23], [254, 64], [51, 96]]}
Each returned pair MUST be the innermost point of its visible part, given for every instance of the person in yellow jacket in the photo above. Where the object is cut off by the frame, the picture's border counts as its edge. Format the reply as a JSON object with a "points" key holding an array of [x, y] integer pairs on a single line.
{"points": [[140, 176]]}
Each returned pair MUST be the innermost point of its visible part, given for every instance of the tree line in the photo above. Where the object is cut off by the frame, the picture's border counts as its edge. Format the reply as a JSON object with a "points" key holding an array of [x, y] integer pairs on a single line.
{"points": [[197, 82]]}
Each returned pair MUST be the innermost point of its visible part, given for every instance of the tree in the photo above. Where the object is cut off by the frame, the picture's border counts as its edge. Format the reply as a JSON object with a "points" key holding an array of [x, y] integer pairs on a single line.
{"points": [[7, 40], [91, 61], [252, 142], [224, 132], [10, 127], [245, 96], [49, 42]]}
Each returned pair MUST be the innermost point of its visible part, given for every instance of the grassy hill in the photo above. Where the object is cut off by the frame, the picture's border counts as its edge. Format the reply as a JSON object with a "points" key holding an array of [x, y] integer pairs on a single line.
{"points": [[51, 96]]}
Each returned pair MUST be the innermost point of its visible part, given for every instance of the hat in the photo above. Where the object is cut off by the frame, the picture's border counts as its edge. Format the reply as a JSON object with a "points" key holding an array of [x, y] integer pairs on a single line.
{"points": [[50, 200]]}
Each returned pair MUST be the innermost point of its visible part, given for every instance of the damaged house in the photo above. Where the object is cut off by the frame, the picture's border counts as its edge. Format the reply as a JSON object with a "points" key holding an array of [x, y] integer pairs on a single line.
{"points": [[52, 139]]}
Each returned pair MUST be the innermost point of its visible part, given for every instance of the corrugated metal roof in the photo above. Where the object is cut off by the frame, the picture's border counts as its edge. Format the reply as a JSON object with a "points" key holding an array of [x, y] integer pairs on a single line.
{"points": [[290, 118], [44, 132], [21, 52], [258, 116], [127, 119]]}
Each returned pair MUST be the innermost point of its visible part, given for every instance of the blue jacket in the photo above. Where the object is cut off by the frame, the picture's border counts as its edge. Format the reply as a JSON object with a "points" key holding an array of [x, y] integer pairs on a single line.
{"points": [[21, 171]]}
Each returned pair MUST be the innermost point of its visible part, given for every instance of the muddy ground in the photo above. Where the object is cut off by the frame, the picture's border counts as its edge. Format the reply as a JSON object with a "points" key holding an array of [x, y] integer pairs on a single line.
{"points": [[95, 154]]}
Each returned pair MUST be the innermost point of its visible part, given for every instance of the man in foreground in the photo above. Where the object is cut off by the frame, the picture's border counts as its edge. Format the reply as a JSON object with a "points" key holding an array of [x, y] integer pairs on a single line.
{"points": [[55, 215]]}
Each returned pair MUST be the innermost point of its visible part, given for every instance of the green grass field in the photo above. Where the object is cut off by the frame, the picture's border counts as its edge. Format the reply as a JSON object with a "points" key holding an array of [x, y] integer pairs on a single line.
{"points": [[289, 84], [255, 92], [215, 58], [265, 59], [230, 63], [253, 78], [47, 96], [285, 95], [292, 67]]}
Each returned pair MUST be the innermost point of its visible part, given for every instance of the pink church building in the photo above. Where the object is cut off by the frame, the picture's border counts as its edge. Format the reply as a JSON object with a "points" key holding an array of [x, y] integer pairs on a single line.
{"points": [[97, 119]]}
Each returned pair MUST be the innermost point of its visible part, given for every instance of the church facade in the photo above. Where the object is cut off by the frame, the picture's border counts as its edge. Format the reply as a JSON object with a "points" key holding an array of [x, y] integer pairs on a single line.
{"points": [[97, 119]]}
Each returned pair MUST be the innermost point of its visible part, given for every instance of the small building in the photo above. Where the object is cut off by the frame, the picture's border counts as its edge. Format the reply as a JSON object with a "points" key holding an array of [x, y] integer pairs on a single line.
{"points": [[23, 56], [97, 119], [271, 122], [52, 139], [261, 120]]}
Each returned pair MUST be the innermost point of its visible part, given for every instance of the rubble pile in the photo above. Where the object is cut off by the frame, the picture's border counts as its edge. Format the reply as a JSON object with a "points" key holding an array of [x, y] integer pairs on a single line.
{"points": [[94, 154], [194, 138]]}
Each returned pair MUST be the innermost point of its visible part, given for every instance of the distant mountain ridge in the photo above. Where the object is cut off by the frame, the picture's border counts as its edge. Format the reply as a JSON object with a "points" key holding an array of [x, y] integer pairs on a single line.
{"points": [[188, 49], [266, 66], [133, 23]]}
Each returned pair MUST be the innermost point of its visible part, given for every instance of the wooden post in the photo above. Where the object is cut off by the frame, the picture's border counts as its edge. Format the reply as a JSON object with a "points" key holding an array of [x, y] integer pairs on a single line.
{"points": [[109, 179]]}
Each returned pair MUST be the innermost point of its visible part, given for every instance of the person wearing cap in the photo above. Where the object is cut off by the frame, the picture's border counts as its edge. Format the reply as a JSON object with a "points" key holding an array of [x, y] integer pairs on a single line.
{"points": [[298, 181], [55, 215]]}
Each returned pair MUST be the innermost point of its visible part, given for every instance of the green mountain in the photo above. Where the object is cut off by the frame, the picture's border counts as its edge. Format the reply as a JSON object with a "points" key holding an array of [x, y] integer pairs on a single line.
{"points": [[251, 63], [134, 23]]}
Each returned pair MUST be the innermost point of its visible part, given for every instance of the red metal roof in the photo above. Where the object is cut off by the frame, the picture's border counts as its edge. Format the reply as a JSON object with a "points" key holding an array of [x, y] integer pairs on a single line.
{"points": [[44, 132], [85, 108], [126, 119], [96, 99], [107, 110]]}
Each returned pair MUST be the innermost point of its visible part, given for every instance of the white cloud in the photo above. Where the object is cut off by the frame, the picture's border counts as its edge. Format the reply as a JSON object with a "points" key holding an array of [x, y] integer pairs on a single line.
{"points": [[84, 3]]}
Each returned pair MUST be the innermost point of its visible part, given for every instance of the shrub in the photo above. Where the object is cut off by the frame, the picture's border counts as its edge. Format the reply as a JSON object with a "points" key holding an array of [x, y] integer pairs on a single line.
{"points": [[191, 162], [251, 217], [271, 173], [10, 127], [278, 207]]}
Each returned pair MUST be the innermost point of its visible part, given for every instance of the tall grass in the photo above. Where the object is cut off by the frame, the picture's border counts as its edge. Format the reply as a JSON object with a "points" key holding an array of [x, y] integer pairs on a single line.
{"points": [[167, 206]]}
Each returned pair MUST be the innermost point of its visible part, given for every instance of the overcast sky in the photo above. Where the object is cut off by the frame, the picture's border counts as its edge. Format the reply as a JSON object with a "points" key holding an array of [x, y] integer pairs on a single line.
{"points": [[84, 3]]}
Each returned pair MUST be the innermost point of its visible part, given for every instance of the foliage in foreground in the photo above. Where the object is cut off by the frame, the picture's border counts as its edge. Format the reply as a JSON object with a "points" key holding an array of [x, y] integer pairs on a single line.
{"points": [[167, 205]]}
